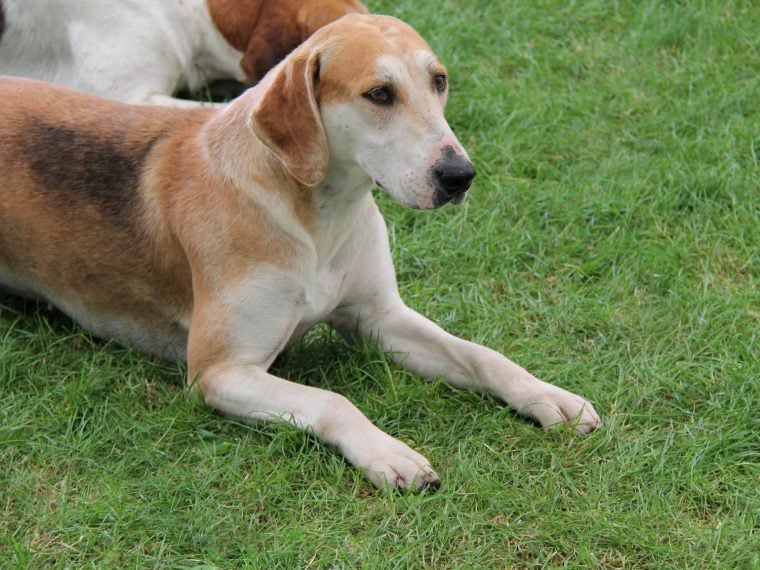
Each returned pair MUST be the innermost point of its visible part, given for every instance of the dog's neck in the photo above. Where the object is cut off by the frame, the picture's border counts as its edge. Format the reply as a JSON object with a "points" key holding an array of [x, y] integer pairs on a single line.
{"points": [[321, 217], [340, 202], [344, 184]]}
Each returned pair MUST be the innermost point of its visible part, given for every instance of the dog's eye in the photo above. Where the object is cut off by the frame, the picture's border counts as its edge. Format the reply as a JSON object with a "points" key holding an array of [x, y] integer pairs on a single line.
{"points": [[440, 82], [380, 96]]}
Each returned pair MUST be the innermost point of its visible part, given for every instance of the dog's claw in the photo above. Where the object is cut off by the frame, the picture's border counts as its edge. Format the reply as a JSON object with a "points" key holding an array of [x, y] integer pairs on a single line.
{"points": [[432, 484]]}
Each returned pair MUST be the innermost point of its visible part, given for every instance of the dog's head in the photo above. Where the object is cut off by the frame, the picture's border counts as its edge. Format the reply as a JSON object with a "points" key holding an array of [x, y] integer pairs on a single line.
{"points": [[367, 93]]}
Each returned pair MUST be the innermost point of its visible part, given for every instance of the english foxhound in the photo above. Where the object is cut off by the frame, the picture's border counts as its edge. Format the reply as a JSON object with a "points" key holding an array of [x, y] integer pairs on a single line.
{"points": [[141, 51], [221, 236]]}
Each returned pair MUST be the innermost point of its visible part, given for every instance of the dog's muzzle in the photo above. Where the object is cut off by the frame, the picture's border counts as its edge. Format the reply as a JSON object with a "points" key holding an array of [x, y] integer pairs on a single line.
{"points": [[453, 176]]}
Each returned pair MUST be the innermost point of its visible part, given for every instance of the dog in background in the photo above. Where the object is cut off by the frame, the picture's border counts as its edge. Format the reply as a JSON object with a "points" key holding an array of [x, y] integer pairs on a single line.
{"points": [[222, 235], [142, 51]]}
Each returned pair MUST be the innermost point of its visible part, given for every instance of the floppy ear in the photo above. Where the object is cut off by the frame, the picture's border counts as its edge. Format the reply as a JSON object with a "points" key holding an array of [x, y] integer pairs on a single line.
{"points": [[286, 119]]}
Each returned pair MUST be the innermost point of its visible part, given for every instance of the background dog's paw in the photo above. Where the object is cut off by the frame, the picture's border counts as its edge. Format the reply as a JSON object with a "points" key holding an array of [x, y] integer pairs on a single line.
{"points": [[557, 406]]}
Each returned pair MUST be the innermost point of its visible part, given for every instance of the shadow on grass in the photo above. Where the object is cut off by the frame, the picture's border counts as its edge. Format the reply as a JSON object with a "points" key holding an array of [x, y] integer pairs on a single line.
{"points": [[393, 397]]}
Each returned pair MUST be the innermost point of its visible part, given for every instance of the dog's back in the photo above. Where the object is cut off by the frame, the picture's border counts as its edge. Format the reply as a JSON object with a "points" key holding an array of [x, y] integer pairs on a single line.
{"points": [[52, 40], [70, 197]]}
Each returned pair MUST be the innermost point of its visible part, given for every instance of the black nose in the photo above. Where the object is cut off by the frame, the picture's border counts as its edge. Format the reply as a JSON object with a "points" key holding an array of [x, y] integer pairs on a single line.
{"points": [[453, 177]]}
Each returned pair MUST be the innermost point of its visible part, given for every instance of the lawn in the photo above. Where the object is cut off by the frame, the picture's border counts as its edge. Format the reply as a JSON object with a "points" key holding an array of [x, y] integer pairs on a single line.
{"points": [[611, 245]]}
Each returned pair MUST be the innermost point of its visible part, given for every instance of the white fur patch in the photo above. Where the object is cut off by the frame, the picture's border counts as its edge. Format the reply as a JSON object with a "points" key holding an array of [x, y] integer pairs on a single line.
{"points": [[151, 47]]}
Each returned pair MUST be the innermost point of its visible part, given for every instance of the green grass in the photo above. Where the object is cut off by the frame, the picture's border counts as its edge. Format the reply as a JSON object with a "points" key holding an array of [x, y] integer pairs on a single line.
{"points": [[611, 245]]}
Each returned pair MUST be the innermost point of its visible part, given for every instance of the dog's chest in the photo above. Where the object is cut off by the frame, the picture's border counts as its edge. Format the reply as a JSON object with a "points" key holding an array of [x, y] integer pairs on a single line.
{"points": [[322, 295]]}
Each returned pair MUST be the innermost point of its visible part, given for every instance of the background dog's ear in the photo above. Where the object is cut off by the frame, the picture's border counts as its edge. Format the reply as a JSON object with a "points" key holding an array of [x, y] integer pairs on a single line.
{"points": [[286, 119]]}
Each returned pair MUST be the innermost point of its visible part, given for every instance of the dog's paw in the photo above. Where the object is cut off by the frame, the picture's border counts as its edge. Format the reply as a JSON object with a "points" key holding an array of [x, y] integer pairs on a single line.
{"points": [[552, 406], [389, 463]]}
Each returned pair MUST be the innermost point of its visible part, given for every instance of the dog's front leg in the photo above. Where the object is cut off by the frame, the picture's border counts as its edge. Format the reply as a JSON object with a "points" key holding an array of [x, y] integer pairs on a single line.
{"points": [[248, 392], [426, 349], [232, 343]]}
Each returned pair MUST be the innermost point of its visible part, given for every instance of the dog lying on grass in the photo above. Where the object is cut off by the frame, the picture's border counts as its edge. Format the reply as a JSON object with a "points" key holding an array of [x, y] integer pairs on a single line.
{"points": [[221, 236]]}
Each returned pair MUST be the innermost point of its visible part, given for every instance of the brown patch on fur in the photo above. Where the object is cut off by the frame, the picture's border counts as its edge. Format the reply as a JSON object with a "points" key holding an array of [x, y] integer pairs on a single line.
{"points": [[268, 31], [235, 19], [74, 230], [209, 190], [184, 215], [287, 120], [76, 168], [316, 14], [223, 229]]}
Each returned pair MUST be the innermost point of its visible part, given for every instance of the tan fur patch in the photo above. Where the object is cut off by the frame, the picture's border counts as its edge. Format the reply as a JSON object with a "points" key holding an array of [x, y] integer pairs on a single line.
{"points": [[267, 31], [287, 121], [350, 71], [236, 19], [71, 225]]}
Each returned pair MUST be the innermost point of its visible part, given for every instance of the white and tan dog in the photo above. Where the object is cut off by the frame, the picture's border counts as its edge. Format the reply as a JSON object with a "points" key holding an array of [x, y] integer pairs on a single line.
{"points": [[141, 51], [221, 236]]}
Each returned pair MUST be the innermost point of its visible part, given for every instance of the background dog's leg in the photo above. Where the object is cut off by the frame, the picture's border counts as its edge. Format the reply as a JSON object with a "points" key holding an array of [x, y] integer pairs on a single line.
{"points": [[429, 351], [249, 392]]}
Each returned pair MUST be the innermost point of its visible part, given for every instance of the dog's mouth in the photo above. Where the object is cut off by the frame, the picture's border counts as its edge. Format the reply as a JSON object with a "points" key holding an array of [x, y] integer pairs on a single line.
{"points": [[459, 198], [442, 198], [439, 198]]}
